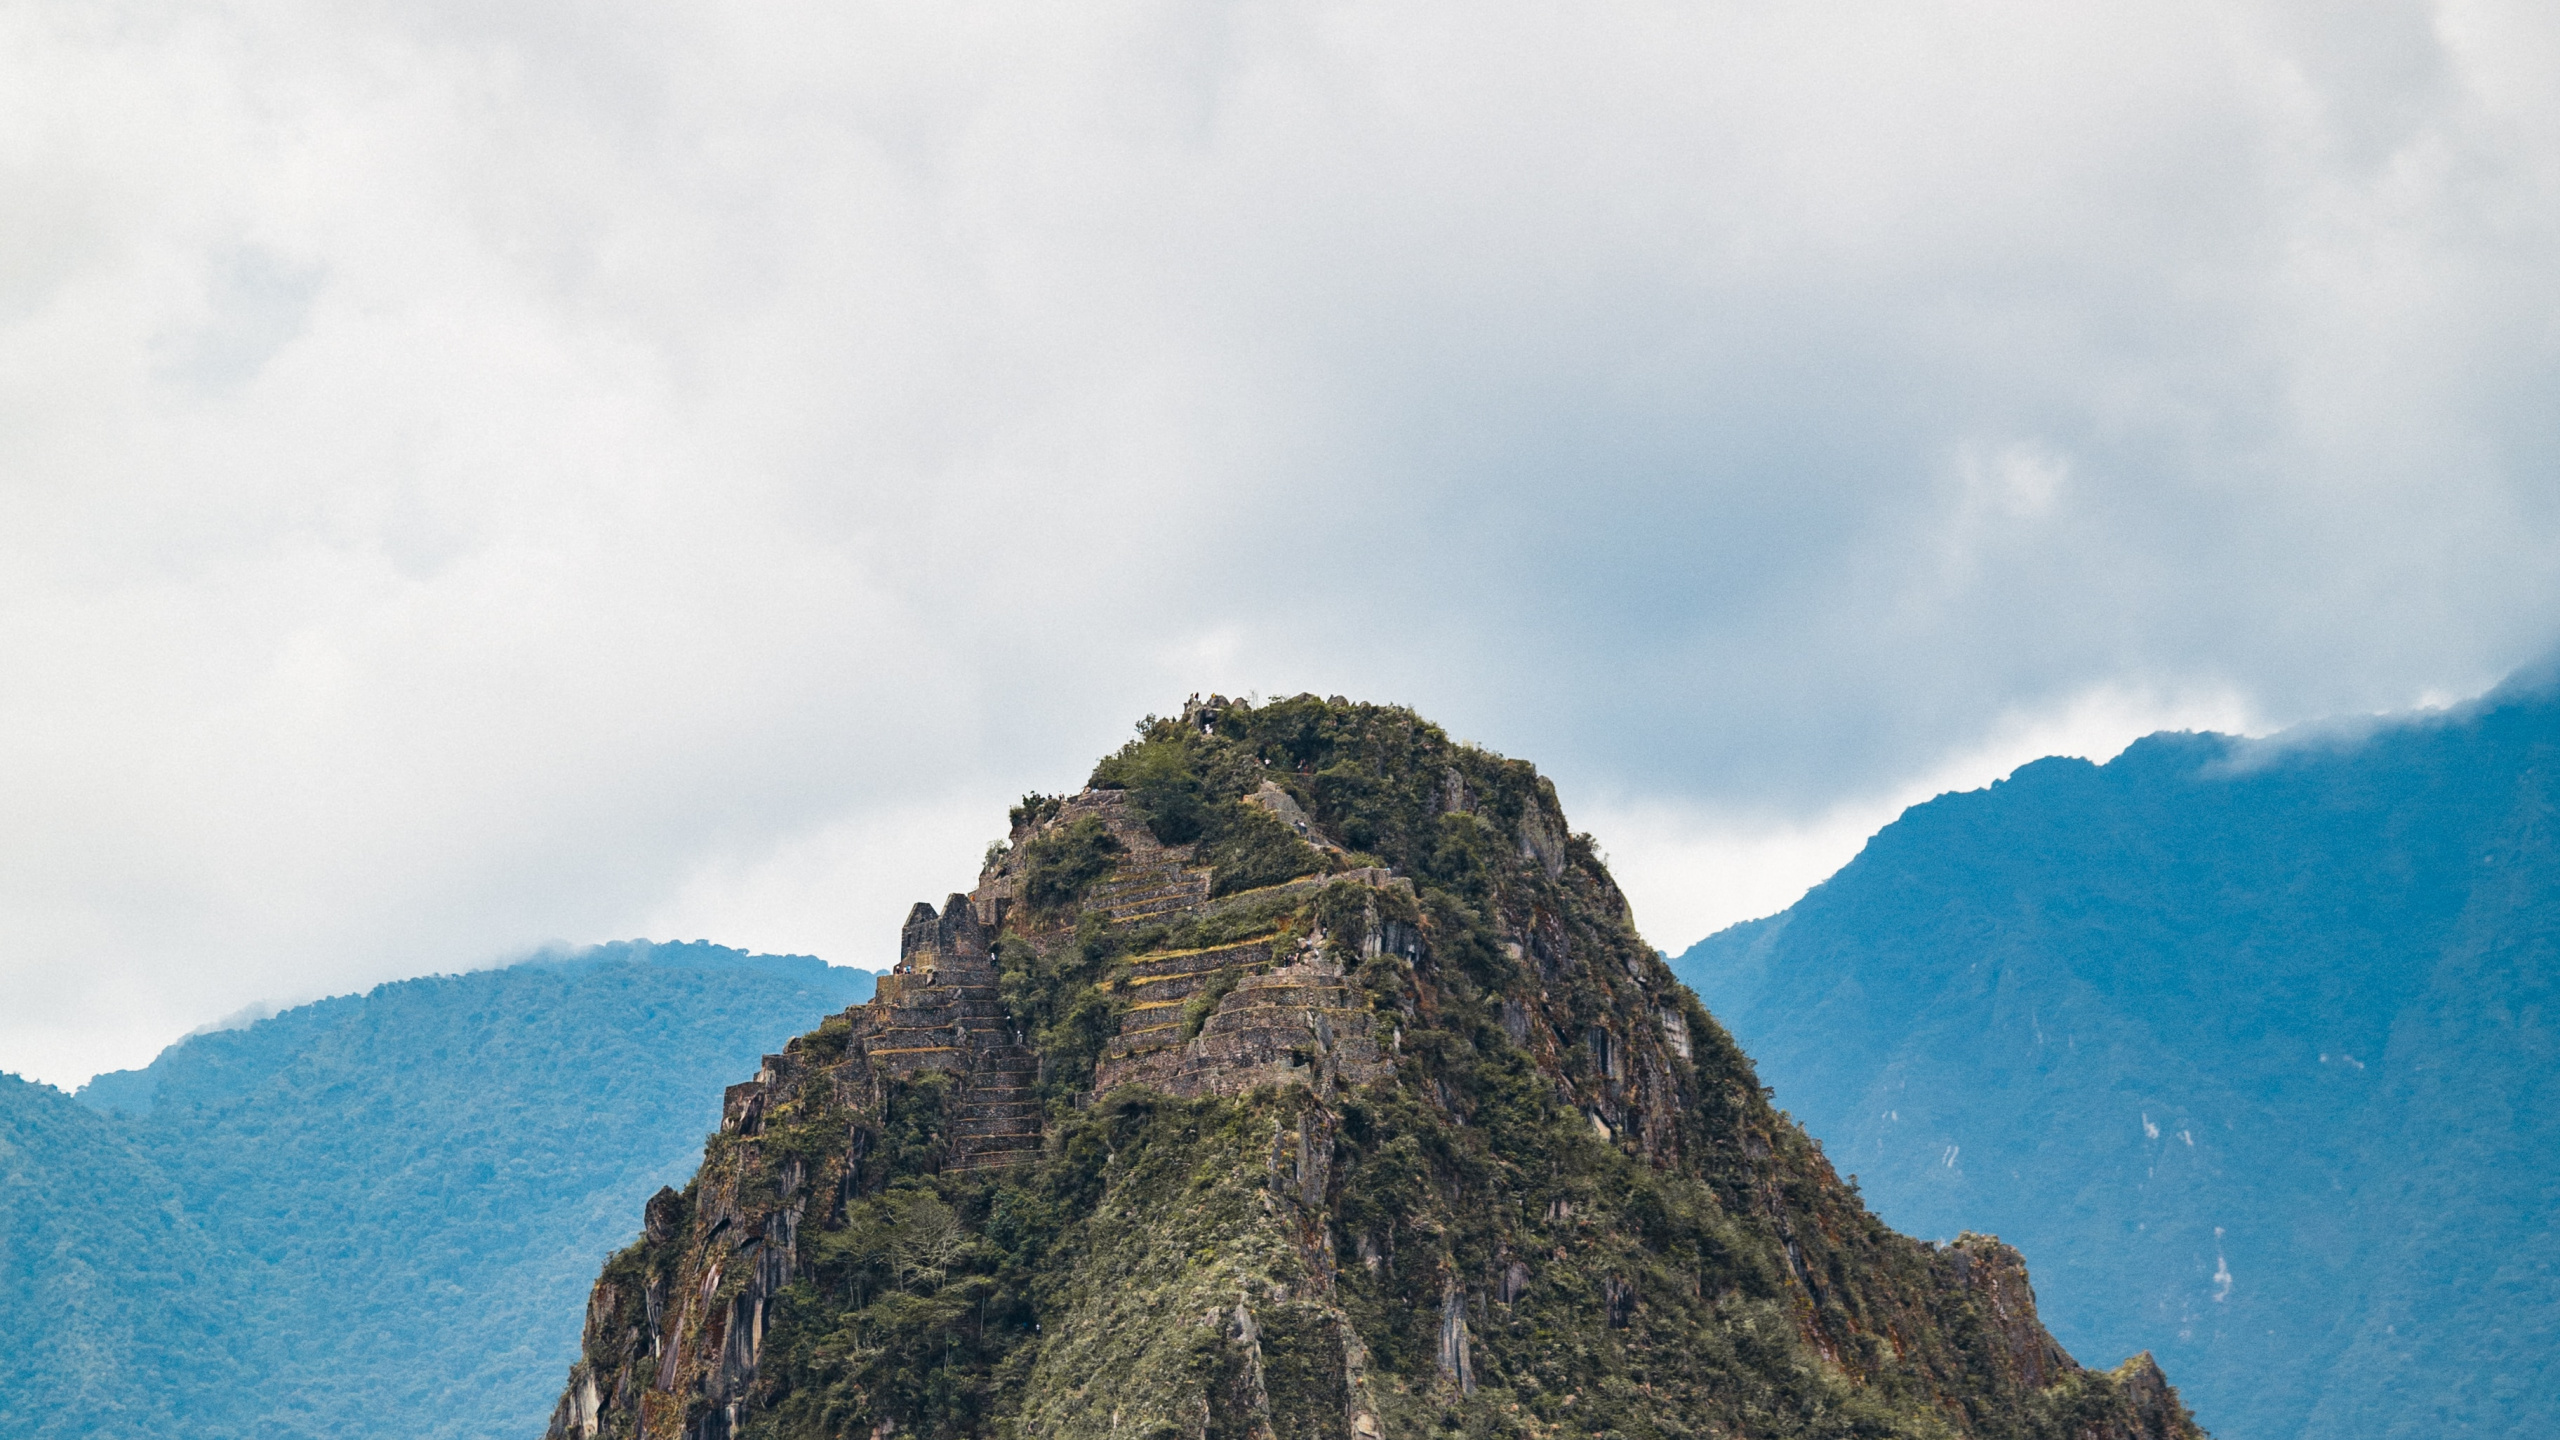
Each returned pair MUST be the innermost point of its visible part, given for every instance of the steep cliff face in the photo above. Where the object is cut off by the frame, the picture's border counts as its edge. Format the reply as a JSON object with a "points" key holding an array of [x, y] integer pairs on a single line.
{"points": [[1304, 1076]]}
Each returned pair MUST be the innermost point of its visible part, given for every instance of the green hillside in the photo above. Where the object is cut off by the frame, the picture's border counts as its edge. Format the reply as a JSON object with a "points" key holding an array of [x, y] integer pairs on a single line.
{"points": [[364, 1216], [2262, 1028]]}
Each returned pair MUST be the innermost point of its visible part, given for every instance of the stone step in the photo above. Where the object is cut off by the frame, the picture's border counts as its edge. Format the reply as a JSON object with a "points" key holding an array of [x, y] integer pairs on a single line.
{"points": [[1006, 1125], [1153, 895], [992, 1021], [1121, 1047], [924, 990], [985, 1031], [1284, 983], [1131, 896], [1171, 987], [989, 1006], [913, 1050], [1169, 880], [1149, 916], [1153, 907], [1158, 878], [997, 1109], [903, 1038], [1233, 899], [1137, 863], [989, 1021], [1310, 998], [1231, 1016], [946, 994], [1162, 962]]}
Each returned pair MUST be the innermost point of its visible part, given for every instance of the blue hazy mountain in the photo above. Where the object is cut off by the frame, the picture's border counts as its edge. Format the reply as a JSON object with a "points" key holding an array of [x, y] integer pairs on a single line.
{"points": [[374, 1215], [2248, 1045]]}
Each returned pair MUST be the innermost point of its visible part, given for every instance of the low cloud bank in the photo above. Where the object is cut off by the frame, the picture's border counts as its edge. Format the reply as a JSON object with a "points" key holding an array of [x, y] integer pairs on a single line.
{"points": [[481, 477]]}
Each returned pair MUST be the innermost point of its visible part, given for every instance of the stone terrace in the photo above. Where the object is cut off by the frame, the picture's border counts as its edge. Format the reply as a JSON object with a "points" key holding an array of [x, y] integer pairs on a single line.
{"points": [[1285, 1018], [939, 1010], [1300, 1024]]}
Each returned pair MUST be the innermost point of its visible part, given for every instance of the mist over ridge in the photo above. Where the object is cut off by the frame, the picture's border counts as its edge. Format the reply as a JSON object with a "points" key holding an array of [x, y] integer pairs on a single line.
{"points": [[2258, 1020]]}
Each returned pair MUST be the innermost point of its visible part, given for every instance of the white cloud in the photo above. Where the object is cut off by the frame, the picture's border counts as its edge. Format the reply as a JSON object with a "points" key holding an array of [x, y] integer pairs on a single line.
{"points": [[1692, 869], [485, 475]]}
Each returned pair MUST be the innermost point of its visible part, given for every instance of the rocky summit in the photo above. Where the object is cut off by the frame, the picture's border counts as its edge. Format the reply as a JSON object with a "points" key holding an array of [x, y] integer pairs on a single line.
{"points": [[1304, 1075]]}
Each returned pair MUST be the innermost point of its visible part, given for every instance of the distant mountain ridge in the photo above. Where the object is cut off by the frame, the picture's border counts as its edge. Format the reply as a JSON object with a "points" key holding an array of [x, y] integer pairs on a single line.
{"points": [[316, 1224], [247, 1047], [2266, 1023]]}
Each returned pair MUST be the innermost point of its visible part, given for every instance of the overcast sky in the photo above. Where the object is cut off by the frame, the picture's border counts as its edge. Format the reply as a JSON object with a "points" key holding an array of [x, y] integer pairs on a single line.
{"points": [[483, 474]]}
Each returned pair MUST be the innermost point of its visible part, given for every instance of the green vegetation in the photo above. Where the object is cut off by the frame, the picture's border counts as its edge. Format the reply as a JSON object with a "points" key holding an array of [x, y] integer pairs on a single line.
{"points": [[1251, 849], [1063, 864], [2246, 1044], [1204, 1003], [117, 1302], [372, 1215], [1066, 998], [1249, 918], [1552, 1219], [1189, 789]]}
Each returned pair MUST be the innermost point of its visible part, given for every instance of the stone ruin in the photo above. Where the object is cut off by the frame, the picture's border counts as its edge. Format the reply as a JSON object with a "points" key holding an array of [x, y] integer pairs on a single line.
{"points": [[939, 1010], [1287, 1015]]}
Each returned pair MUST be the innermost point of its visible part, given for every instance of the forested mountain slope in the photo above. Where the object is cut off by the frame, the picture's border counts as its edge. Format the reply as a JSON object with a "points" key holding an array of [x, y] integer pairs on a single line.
{"points": [[1302, 1076], [2247, 1044], [363, 1216]]}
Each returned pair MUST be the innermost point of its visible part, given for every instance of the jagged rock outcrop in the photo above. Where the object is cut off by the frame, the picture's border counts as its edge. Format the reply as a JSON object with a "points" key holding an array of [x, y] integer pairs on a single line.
{"points": [[1304, 1076]]}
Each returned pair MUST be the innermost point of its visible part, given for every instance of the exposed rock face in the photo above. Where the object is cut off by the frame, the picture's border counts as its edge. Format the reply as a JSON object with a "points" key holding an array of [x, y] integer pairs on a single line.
{"points": [[1291, 984]]}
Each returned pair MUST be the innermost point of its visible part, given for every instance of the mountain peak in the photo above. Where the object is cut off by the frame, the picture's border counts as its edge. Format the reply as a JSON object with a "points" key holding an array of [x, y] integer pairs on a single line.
{"points": [[1302, 1075]]}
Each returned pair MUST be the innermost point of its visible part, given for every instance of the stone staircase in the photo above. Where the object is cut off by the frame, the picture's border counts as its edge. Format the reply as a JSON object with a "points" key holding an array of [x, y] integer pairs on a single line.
{"points": [[998, 1121], [940, 1010]]}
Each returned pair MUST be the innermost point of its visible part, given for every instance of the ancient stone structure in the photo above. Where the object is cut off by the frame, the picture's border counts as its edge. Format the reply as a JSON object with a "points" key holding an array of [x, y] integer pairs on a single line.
{"points": [[939, 1010], [1282, 1013]]}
